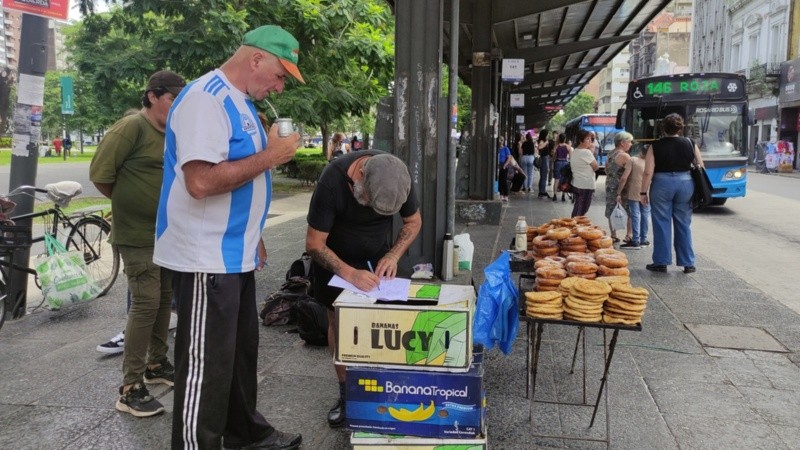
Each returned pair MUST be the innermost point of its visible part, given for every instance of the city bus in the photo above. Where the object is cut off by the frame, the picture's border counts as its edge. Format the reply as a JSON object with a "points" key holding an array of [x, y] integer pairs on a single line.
{"points": [[604, 127], [715, 111]]}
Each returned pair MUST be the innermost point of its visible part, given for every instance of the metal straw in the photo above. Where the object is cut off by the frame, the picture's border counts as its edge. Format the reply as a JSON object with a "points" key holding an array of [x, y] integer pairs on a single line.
{"points": [[272, 108]]}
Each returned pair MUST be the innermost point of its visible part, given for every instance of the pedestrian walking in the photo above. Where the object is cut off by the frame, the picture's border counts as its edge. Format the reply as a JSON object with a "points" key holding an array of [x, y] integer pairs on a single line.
{"points": [[503, 160], [630, 184], [527, 156], [544, 148], [562, 155]]}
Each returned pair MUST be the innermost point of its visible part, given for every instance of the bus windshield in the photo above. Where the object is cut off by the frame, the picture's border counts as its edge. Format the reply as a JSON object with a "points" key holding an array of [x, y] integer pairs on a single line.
{"points": [[716, 130]]}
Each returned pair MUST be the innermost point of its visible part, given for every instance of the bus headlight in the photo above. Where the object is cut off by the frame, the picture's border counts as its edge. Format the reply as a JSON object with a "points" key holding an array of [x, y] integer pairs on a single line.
{"points": [[734, 174]]}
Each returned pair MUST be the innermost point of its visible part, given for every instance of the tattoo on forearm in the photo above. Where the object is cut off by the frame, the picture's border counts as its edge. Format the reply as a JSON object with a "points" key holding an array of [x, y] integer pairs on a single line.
{"points": [[327, 259]]}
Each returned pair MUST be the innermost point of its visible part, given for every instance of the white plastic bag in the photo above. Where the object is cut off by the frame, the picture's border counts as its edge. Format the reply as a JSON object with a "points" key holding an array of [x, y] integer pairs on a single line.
{"points": [[465, 250], [619, 218]]}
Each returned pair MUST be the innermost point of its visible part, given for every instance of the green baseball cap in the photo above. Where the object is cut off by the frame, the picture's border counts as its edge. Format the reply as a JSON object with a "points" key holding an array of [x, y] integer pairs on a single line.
{"points": [[279, 42]]}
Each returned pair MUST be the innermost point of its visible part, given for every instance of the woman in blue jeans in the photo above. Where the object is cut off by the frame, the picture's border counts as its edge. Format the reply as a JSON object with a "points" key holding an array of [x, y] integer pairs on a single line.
{"points": [[527, 152], [667, 186]]}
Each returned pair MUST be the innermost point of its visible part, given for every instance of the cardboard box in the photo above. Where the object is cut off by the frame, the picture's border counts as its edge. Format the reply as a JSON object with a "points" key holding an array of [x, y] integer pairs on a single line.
{"points": [[366, 441], [417, 403], [432, 333]]}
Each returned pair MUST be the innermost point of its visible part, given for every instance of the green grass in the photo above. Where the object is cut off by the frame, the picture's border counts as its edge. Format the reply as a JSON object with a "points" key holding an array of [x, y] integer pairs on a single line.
{"points": [[76, 156]]}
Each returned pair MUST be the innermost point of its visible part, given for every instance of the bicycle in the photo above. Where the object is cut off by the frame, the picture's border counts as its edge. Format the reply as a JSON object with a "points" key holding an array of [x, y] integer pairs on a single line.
{"points": [[86, 231]]}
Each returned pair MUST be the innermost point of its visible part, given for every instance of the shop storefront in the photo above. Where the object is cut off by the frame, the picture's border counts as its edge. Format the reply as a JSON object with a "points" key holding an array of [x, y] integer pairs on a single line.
{"points": [[789, 103]]}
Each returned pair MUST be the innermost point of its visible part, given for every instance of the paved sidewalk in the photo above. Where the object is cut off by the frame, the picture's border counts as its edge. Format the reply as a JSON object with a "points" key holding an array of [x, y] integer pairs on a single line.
{"points": [[667, 390]]}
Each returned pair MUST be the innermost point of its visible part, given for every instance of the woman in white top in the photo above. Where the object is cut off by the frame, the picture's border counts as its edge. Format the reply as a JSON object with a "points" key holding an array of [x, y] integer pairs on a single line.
{"points": [[583, 167]]}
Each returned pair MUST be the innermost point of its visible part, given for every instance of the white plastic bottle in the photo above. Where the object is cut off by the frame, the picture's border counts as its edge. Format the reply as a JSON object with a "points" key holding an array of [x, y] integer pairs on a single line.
{"points": [[521, 235]]}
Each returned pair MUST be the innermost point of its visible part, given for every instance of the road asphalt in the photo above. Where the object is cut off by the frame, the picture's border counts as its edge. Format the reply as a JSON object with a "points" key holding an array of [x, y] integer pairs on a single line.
{"points": [[714, 366]]}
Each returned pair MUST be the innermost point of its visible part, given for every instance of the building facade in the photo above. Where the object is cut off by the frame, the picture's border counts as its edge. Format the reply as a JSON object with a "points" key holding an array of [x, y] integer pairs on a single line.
{"points": [[662, 48], [613, 81], [757, 40]]}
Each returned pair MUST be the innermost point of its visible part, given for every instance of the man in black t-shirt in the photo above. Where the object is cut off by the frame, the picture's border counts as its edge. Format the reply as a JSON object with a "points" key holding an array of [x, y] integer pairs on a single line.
{"points": [[349, 220]]}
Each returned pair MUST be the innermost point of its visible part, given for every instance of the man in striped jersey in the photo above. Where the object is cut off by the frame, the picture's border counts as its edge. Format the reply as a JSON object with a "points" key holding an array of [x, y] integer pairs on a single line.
{"points": [[212, 210]]}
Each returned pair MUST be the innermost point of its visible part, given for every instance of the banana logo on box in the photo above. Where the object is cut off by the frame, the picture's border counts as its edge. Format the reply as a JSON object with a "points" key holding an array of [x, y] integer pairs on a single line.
{"points": [[418, 415]]}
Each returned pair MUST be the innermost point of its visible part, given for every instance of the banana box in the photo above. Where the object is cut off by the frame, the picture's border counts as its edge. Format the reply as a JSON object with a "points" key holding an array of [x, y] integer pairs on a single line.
{"points": [[433, 333], [367, 441], [431, 404]]}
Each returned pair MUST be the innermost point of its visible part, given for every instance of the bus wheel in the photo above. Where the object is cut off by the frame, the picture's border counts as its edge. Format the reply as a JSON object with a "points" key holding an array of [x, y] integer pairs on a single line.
{"points": [[718, 201]]}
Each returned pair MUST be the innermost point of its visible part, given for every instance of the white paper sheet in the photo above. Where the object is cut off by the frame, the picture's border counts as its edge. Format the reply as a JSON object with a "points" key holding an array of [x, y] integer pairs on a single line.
{"points": [[396, 289]]}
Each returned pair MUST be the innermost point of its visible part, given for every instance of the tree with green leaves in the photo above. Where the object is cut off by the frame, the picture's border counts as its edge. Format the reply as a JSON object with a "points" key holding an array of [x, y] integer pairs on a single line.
{"points": [[347, 49]]}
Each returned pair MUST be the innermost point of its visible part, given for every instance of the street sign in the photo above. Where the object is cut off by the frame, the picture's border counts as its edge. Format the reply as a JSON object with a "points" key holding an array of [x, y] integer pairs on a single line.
{"points": [[517, 100], [513, 70], [520, 119], [67, 96]]}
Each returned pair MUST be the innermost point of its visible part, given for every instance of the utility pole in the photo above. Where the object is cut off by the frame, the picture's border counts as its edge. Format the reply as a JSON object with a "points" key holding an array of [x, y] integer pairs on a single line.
{"points": [[25, 143]]}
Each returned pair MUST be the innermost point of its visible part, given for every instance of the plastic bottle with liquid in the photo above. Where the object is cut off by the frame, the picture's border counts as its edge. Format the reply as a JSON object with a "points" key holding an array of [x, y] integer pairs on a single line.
{"points": [[521, 235]]}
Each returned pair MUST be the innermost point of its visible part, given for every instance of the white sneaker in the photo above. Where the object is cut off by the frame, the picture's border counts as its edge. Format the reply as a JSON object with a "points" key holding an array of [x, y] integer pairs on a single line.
{"points": [[173, 321], [114, 346]]}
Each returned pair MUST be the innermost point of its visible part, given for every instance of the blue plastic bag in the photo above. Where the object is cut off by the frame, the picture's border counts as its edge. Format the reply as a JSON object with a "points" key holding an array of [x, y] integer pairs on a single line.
{"points": [[496, 313]]}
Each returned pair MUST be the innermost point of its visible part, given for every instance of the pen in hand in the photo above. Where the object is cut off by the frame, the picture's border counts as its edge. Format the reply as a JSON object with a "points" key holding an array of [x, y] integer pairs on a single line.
{"points": [[369, 264]]}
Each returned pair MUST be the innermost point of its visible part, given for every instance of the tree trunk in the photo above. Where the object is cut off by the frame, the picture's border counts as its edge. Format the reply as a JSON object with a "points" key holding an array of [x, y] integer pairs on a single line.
{"points": [[325, 138]]}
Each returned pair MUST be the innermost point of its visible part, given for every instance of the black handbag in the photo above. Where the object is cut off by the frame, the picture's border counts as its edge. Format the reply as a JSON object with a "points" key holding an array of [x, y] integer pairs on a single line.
{"points": [[702, 187]]}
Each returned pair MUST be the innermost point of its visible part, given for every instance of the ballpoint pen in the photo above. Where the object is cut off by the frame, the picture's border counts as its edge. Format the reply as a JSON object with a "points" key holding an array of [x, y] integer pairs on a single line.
{"points": [[369, 264]]}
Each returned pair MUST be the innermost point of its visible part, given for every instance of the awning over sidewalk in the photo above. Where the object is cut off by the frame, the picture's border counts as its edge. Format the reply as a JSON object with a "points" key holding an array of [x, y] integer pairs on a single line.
{"points": [[564, 43]]}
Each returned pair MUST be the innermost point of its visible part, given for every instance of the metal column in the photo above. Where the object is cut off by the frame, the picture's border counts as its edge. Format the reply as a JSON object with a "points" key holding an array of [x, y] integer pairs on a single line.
{"points": [[418, 118], [481, 158]]}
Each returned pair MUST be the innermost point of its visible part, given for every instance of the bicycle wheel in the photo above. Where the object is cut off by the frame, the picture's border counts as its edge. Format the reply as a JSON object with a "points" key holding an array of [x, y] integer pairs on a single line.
{"points": [[90, 237], [3, 296]]}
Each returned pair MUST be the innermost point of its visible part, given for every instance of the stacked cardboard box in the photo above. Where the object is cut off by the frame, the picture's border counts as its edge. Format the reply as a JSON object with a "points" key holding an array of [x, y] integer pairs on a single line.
{"points": [[410, 367]]}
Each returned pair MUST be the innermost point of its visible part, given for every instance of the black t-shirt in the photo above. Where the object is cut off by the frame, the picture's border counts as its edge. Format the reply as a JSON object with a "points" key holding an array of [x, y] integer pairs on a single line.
{"points": [[356, 233], [527, 148], [673, 154]]}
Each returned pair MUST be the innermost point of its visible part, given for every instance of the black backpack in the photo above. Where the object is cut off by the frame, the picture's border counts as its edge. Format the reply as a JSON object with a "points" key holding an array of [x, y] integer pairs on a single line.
{"points": [[279, 307], [312, 321]]}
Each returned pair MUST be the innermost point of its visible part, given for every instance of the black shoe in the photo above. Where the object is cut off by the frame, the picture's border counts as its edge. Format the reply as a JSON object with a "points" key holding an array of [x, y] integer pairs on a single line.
{"points": [[138, 402], [278, 440], [689, 269], [555, 198], [645, 243], [563, 199], [163, 374], [656, 267], [630, 246], [337, 415]]}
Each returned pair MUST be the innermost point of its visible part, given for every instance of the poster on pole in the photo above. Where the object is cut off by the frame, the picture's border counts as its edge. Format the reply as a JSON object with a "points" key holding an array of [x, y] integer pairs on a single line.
{"points": [[520, 119], [52, 9], [67, 95]]}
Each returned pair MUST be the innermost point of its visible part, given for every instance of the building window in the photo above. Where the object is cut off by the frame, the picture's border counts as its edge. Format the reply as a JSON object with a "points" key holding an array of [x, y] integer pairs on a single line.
{"points": [[752, 43], [736, 50], [775, 44]]}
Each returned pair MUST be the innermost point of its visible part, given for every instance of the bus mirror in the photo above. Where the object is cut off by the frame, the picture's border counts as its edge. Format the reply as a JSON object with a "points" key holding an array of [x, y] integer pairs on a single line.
{"points": [[620, 123], [751, 117]]}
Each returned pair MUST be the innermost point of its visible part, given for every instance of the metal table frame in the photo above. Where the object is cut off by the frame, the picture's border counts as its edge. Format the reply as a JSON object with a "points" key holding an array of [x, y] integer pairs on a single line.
{"points": [[535, 330]]}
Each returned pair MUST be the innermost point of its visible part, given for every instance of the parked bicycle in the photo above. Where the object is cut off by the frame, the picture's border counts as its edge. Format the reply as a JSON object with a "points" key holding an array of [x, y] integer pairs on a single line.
{"points": [[86, 231]]}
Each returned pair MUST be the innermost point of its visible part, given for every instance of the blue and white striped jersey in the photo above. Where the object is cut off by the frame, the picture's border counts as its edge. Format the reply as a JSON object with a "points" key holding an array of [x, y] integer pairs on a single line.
{"points": [[211, 121]]}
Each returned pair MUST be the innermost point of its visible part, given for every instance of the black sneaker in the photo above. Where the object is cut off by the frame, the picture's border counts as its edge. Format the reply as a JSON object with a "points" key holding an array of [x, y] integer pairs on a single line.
{"points": [[630, 246], [645, 244], [138, 402], [656, 267], [689, 269], [278, 440], [114, 346], [163, 374]]}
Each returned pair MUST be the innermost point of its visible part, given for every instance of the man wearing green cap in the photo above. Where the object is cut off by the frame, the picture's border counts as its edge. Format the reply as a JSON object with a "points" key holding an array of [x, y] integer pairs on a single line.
{"points": [[213, 206]]}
